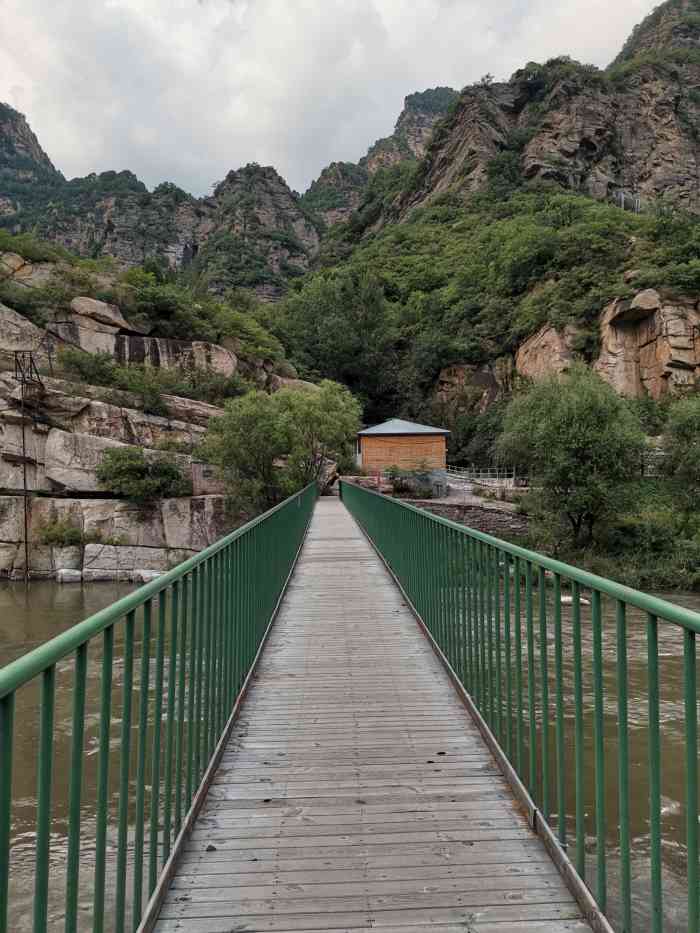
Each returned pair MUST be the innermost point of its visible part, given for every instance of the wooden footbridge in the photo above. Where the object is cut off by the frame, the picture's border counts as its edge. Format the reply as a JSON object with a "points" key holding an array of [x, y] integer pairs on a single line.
{"points": [[337, 718]]}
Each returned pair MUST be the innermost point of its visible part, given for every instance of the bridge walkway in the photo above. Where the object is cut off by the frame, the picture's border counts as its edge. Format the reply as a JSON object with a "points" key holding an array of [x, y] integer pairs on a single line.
{"points": [[356, 791]]}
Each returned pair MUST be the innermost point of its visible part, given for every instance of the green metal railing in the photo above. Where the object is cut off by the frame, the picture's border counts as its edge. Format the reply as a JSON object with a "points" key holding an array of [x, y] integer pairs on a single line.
{"points": [[542, 648], [172, 659]]}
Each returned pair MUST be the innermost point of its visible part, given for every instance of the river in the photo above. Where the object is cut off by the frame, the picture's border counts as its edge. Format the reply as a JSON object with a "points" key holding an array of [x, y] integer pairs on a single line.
{"points": [[29, 617]]}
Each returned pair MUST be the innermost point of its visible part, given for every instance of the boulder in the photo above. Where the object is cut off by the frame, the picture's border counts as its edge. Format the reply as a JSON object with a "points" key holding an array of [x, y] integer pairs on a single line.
{"points": [[123, 523], [18, 333], [10, 263], [65, 575], [275, 383], [146, 576], [84, 333], [618, 361], [8, 559], [546, 353], [464, 387], [170, 354], [101, 312], [68, 558], [186, 409], [194, 522], [72, 459], [650, 346], [106, 562]]}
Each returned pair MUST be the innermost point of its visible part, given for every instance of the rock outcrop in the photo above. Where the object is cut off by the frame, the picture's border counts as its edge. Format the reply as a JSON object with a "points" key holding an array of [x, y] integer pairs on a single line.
{"points": [[650, 345], [465, 388], [545, 353], [251, 232], [627, 133], [120, 540], [341, 187]]}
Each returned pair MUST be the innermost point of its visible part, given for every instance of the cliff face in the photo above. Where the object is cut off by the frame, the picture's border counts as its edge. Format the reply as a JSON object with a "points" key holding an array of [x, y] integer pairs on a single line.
{"points": [[627, 133], [340, 189], [252, 232]]}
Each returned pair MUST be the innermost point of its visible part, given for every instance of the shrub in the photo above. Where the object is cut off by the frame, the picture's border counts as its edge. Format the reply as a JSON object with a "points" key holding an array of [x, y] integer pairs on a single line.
{"points": [[128, 473], [60, 533]]}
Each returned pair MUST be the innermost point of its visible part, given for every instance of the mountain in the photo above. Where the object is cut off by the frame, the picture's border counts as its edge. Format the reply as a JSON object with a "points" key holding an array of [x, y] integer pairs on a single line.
{"points": [[631, 131], [252, 232], [339, 190]]}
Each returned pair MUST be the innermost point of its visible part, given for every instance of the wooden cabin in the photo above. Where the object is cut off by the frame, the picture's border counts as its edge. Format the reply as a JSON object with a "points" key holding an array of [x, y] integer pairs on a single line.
{"points": [[403, 444]]}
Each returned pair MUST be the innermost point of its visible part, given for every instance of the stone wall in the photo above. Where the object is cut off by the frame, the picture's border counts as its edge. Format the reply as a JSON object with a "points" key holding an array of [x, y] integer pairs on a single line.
{"points": [[120, 540], [500, 523]]}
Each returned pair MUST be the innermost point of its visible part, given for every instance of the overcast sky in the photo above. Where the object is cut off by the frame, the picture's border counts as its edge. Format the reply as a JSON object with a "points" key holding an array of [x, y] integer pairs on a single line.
{"points": [[184, 90]]}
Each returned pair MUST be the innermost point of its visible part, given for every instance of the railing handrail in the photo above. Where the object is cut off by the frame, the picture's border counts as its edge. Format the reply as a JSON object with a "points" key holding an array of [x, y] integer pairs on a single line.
{"points": [[666, 611], [20, 671]]}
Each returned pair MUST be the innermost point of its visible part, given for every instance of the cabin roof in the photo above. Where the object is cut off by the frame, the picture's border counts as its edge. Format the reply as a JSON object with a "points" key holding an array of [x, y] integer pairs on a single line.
{"points": [[396, 426]]}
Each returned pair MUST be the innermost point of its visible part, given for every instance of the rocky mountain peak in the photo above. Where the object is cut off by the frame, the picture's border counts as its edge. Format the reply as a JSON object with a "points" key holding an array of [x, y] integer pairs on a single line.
{"points": [[19, 147], [674, 25]]}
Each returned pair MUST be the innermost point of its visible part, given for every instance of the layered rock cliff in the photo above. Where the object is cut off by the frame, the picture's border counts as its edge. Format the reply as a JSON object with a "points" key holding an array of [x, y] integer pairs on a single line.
{"points": [[628, 133], [252, 232], [341, 187]]}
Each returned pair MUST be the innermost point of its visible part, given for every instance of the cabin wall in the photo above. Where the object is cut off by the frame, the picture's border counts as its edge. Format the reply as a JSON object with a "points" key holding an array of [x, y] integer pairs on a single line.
{"points": [[408, 452]]}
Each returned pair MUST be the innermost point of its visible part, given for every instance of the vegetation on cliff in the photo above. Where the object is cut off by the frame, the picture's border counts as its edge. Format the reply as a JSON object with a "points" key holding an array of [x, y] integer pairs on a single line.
{"points": [[467, 282]]}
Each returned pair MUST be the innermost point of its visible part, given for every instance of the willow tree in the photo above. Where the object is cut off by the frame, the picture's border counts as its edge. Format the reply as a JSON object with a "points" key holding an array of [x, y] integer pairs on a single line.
{"points": [[581, 443]]}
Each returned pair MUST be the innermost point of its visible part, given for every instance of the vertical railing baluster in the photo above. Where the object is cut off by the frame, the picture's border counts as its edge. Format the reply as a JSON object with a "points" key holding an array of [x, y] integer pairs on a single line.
{"points": [[75, 789], [599, 750], [579, 750], [170, 720], [560, 737], [200, 710], [140, 814], [7, 717], [623, 779], [180, 763], [192, 691], [102, 808], [124, 769], [509, 658], [654, 774], [483, 688], [496, 562], [532, 740], [43, 806], [154, 823], [544, 687], [690, 689], [517, 622]]}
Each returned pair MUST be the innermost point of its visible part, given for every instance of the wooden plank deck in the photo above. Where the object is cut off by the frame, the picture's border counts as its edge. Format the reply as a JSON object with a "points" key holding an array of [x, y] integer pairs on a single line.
{"points": [[356, 791]]}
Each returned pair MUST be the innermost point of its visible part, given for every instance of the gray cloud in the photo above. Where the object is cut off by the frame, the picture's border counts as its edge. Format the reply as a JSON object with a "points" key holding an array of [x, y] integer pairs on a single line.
{"points": [[184, 90]]}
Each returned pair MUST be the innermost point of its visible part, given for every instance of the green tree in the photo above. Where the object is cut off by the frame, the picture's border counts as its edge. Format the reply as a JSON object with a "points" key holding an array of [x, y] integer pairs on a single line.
{"points": [[269, 446], [341, 326], [682, 446], [320, 427], [581, 443]]}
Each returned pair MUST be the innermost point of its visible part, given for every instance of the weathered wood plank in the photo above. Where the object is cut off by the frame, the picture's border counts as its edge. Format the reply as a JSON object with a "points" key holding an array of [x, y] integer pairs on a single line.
{"points": [[355, 790]]}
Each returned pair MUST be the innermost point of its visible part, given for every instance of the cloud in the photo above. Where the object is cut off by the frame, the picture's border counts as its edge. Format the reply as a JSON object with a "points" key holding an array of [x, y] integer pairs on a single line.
{"points": [[184, 90]]}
